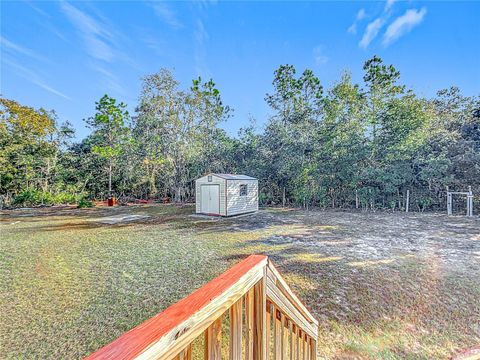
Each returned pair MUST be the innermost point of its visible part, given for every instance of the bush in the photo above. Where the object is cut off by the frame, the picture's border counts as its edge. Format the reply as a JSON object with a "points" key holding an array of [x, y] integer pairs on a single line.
{"points": [[38, 197], [83, 203]]}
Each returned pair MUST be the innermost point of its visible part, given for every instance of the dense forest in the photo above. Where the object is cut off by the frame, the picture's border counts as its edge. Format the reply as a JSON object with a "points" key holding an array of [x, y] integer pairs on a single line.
{"points": [[352, 145]]}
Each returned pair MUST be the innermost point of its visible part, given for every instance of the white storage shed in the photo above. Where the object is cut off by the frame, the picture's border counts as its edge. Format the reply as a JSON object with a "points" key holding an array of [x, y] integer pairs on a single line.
{"points": [[226, 194]]}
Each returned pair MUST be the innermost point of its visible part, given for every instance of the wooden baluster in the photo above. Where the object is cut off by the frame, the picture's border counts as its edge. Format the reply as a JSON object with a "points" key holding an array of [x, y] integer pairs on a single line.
{"points": [[213, 338], [268, 324], [305, 347], [260, 330], [277, 336], [284, 338], [188, 353], [297, 344], [249, 319], [185, 354], [313, 349], [293, 351], [236, 331]]}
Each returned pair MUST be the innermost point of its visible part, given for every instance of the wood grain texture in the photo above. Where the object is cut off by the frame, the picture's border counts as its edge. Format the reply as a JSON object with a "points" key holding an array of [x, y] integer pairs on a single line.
{"points": [[293, 350], [313, 349], [249, 323], [236, 330], [277, 335], [289, 309], [297, 345], [260, 335], [166, 334], [213, 341], [281, 283], [268, 334], [284, 338]]}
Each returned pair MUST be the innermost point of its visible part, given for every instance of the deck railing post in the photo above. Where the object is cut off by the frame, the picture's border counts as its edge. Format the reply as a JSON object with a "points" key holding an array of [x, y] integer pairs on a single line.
{"points": [[254, 284]]}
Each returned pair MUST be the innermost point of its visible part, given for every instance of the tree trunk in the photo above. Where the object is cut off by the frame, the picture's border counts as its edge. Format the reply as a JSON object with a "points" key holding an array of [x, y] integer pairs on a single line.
{"points": [[110, 178]]}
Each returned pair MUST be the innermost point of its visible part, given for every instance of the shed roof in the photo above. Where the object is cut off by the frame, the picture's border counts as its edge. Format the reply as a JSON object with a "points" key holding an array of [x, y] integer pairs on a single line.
{"points": [[235, 176]]}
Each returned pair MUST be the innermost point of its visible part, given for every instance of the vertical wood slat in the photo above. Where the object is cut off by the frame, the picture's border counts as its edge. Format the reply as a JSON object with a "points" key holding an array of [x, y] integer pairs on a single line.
{"points": [[277, 337], [313, 349], [306, 350], [284, 338], [297, 344], [188, 353], [249, 323], [260, 318], [185, 354], [213, 338], [236, 330], [293, 350], [300, 345], [304, 347], [268, 324]]}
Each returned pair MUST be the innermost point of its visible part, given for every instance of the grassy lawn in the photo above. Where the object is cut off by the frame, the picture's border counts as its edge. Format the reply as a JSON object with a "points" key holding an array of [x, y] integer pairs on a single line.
{"points": [[382, 285]]}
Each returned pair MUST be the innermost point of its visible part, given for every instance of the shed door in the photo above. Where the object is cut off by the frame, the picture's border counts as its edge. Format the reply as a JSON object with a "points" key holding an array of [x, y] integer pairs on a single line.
{"points": [[210, 201]]}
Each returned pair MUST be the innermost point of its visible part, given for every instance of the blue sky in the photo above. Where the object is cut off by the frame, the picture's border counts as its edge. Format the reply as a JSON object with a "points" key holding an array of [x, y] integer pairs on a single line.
{"points": [[66, 55]]}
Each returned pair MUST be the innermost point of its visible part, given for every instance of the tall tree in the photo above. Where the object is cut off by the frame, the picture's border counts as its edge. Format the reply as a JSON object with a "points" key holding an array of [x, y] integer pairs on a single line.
{"points": [[176, 131], [109, 126]]}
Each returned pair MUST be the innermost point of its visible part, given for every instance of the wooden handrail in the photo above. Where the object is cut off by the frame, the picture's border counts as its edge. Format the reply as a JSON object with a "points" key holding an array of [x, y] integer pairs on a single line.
{"points": [[254, 282]]}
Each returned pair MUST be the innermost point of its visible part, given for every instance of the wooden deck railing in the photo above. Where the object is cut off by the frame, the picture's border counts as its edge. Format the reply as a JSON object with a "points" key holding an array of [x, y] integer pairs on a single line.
{"points": [[267, 321]]}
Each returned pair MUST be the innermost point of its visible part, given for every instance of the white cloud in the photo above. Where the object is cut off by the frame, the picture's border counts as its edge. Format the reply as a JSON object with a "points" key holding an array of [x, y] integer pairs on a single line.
{"points": [[200, 36], [12, 47], [111, 80], [371, 32], [167, 15], [360, 16], [33, 77], [388, 5], [403, 24], [96, 36], [319, 55]]}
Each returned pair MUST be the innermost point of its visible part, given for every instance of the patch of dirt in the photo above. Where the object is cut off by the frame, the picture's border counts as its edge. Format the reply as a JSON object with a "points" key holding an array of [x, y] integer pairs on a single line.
{"points": [[121, 219]]}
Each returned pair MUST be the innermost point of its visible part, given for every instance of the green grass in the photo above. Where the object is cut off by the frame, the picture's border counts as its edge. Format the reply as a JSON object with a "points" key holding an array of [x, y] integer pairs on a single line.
{"points": [[69, 285]]}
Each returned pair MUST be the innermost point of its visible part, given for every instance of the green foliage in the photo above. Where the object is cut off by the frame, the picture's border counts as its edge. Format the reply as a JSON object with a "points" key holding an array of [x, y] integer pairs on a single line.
{"points": [[83, 203], [349, 145], [110, 130], [39, 197]]}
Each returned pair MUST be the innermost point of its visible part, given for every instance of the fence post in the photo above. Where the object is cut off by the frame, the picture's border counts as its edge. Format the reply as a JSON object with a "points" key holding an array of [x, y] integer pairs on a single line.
{"points": [[408, 201], [470, 202], [449, 203]]}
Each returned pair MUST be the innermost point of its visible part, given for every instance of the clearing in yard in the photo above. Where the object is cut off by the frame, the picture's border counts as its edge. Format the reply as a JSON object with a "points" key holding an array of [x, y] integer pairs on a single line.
{"points": [[382, 285]]}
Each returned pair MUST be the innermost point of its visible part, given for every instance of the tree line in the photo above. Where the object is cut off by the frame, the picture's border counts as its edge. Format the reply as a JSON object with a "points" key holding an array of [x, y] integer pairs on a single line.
{"points": [[351, 145]]}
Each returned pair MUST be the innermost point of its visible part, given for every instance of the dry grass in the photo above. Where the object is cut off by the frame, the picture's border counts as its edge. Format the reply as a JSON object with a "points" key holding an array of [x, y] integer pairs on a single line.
{"points": [[383, 285]]}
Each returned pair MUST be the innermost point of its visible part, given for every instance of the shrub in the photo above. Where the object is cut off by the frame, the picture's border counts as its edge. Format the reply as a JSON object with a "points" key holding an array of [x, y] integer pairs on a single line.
{"points": [[83, 203], [38, 197]]}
